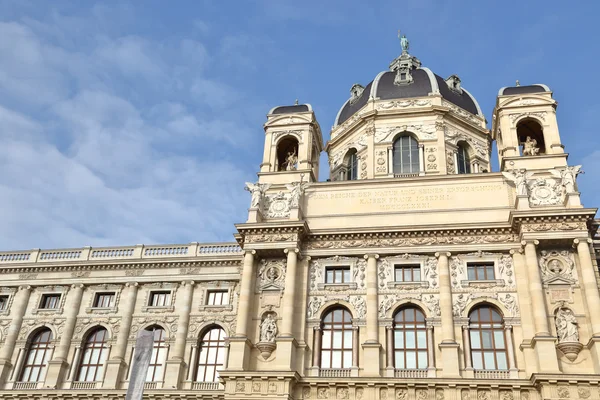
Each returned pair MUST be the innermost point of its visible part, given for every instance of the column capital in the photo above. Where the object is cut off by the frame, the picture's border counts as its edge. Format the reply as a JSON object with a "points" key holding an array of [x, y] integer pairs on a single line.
{"points": [[375, 256], [582, 240], [465, 327], [132, 284], [77, 286], [526, 242], [355, 328], [389, 327], [253, 252], [188, 283], [294, 249], [508, 327], [316, 328], [520, 250], [25, 287], [439, 254]]}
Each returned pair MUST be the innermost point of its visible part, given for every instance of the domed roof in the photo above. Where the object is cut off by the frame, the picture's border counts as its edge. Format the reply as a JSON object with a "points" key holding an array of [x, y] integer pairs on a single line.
{"points": [[406, 79], [296, 108], [514, 90]]}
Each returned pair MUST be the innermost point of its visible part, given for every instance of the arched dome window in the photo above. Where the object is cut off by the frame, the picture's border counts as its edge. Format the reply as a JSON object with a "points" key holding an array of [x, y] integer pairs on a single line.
{"points": [[406, 155], [531, 137], [352, 164], [337, 339], [38, 352], [211, 356], [95, 351], [410, 339], [287, 154], [464, 163], [487, 339], [159, 354]]}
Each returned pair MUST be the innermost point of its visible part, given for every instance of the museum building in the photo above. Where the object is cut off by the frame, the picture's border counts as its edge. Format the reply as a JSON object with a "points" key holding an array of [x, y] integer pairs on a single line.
{"points": [[414, 272]]}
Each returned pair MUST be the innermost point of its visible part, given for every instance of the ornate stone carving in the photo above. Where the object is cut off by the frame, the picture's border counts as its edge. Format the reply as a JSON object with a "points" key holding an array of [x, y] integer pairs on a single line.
{"points": [[457, 271], [342, 393], [401, 394], [544, 192], [360, 306], [360, 273], [270, 237], [403, 104], [584, 392], [505, 267], [439, 394], [30, 323], [385, 303], [322, 393], [268, 329], [510, 303], [271, 274], [278, 134], [506, 395], [563, 392], [568, 177], [27, 276], [314, 304], [454, 136], [257, 191], [470, 118], [421, 394], [450, 165], [80, 274], [383, 394], [277, 205], [460, 303], [483, 395], [530, 147], [306, 392], [433, 303], [431, 274], [539, 114], [567, 328], [240, 386], [423, 132], [134, 272], [296, 192], [557, 266], [519, 177], [83, 323], [356, 92]]}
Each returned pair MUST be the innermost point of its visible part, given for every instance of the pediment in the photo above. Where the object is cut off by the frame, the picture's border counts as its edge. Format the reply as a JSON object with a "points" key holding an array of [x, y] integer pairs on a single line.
{"points": [[288, 119], [527, 100], [559, 280]]}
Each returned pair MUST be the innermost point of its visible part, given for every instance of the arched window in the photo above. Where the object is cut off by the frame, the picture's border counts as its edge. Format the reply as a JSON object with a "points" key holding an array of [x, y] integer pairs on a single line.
{"points": [[287, 154], [336, 342], [488, 343], [159, 354], [38, 352], [211, 356], [531, 137], [406, 155], [464, 164], [94, 356], [410, 339], [352, 163]]}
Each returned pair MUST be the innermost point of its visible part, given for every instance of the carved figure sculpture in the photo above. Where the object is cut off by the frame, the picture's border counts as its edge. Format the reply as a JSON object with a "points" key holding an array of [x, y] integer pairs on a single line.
{"points": [[530, 147], [313, 307], [566, 326], [268, 329], [510, 303], [519, 177], [257, 190], [568, 177], [460, 304], [404, 43], [291, 161], [296, 191]]}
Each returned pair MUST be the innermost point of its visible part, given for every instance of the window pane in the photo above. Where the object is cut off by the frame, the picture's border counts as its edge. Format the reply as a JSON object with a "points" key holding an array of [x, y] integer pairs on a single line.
{"points": [[329, 276], [486, 337], [326, 339], [410, 340], [346, 275], [326, 359], [422, 359], [422, 339], [347, 359], [337, 340], [475, 341], [400, 359], [336, 359], [398, 275], [488, 360], [417, 274], [501, 358], [399, 339], [471, 273], [490, 271], [347, 339], [499, 339], [477, 360], [411, 359]]}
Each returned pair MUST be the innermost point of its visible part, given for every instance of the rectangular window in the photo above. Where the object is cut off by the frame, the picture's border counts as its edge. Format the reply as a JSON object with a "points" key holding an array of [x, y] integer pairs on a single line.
{"points": [[407, 273], [160, 299], [104, 300], [217, 298], [3, 303], [339, 274], [50, 301], [480, 271]]}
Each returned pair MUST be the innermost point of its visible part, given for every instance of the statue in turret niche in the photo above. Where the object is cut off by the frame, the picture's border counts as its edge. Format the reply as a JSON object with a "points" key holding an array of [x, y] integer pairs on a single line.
{"points": [[530, 147], [268, 329], [566, 326], [291, 161]]}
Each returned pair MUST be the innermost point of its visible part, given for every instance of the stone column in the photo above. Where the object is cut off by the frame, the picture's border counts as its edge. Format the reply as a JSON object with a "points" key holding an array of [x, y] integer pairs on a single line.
{"points": [[430, 353], [448, 345], [390, 346], [192, 361], [316, 356], [592, 297], [510, 351], [467, 347], [74, 364], [372, 347], [289, 295], [527, 324], [240, 345], [421, 158], [390, 162], [543, 342], [57, 367], [355, 344], [175, 364], [18, 311], [116, 365]]}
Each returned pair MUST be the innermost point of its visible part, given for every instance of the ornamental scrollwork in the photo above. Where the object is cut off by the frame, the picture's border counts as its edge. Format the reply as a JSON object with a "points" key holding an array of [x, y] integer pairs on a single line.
{"points": [[403, 104], [423, 132], [453, 136], [83, 323], [271, 274]]}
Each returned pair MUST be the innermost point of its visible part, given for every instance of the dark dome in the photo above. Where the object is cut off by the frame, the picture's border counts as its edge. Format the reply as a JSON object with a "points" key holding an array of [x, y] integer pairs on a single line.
{"points": [[513, 90], [296, 108], [424, 82]]}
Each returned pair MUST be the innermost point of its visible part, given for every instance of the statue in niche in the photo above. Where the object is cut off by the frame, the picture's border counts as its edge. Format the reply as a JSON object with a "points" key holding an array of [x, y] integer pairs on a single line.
{"points": [[566, 326], [530, 147], [257, 190], [568, 177], [291, 161], [268, 329]]}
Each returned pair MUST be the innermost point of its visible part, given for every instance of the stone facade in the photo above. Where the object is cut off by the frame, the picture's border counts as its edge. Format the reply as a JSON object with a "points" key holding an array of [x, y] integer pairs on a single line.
{"points": [[445, 245]]}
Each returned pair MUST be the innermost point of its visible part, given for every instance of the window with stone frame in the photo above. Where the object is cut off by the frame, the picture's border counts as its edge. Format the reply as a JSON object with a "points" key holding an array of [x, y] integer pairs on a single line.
{"points": [[487, 339], [337, 274], [407, 272], [104, 300], [217, 297], [211, 355], [4, 302], [37, 354], [159, 298], [93, 357], [337, 339], [480, 271], [410, 339], [159, 354], [50, 301]]}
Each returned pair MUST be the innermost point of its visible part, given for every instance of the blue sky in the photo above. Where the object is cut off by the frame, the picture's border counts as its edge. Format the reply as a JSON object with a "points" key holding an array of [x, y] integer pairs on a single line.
{"points": [[138, 122]]}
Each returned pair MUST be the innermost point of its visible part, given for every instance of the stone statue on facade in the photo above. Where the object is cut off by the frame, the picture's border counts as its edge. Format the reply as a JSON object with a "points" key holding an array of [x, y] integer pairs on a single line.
{"points": [[296, 191], [566, 326], [291, 161], [268, 329], [404, 43], [530, 147], [257, 190], [519, 177], [568, 177]]}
